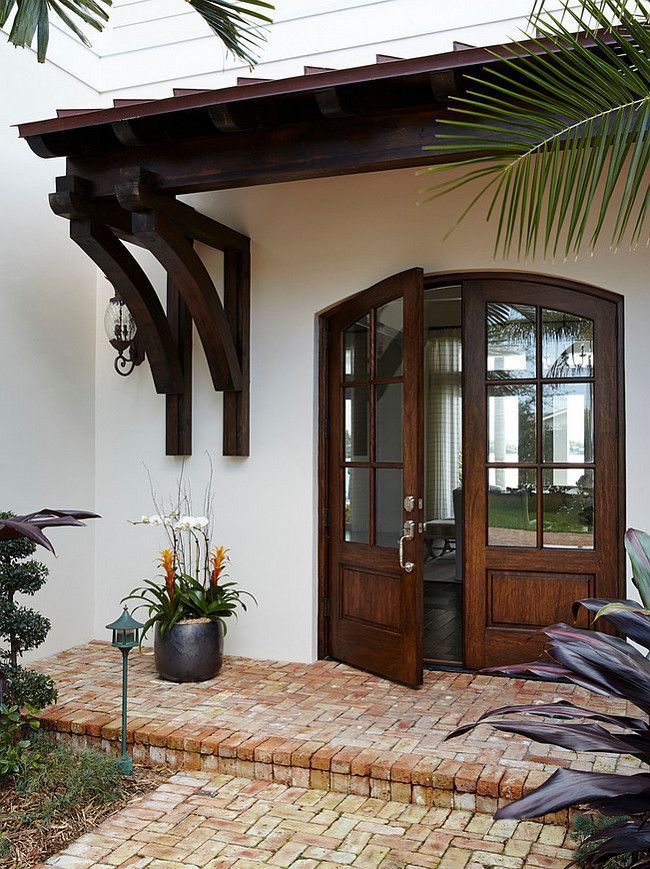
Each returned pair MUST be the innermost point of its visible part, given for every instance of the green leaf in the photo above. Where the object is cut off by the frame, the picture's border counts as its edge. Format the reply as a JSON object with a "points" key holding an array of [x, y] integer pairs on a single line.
{"points": [[637, 544], [239, 25], [570, 128]]}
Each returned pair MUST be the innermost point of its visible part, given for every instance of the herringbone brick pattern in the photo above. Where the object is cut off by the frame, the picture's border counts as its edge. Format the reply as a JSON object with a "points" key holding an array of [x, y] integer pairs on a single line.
{"points": [[198, 821], [322, 725]]}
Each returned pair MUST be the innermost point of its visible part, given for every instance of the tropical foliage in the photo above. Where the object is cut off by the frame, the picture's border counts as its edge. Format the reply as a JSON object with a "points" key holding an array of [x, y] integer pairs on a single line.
{"points": [[192, 583], [183, 597], [556, 137], [31, 525], [605, 665], [237, 23], [21, 627]]}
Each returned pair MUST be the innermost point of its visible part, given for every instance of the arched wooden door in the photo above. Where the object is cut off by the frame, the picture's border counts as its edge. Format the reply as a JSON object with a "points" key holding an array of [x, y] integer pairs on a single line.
{"points": [[541, 460], [374, 472], [536, 501]]}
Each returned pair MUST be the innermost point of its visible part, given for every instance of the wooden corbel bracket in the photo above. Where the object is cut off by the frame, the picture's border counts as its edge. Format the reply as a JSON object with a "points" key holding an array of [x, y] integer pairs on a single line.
{"points": [[168, 229], [89, 230]]}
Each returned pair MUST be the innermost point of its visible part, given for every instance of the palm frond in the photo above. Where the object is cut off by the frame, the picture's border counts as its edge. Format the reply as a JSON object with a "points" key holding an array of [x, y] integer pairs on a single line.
{"points": [[238, 23], [559, 139]]}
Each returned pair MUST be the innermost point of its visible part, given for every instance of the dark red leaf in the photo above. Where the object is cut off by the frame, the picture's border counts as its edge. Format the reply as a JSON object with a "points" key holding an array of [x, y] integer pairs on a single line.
{"points": [[30, 525], [620, 794], [562, 709], [621, 838]]}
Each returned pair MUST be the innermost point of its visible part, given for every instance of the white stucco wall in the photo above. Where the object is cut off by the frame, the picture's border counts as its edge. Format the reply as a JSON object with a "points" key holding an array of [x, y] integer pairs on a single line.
{"points": [[313, 244], [47, 349]]}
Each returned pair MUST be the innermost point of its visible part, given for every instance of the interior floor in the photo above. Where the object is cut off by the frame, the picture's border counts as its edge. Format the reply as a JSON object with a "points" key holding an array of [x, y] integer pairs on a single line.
{"points": [[443, 621]]}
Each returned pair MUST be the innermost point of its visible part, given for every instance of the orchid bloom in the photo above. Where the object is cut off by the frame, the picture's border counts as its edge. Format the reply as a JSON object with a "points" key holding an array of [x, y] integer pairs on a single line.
{"points": [[218, 558], [168, 561]]}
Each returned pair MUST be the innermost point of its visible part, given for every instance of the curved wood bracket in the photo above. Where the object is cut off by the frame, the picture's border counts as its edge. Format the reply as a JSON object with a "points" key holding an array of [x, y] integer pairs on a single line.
{"points": [[128, 278], [182, 264], [168, 229]]}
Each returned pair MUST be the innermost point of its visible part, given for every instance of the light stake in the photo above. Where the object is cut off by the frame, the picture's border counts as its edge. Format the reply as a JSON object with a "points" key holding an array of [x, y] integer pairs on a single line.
{"points": [[126, 636]]}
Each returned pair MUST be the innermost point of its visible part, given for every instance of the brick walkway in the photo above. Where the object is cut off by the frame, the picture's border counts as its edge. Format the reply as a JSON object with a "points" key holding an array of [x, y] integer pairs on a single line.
{"points": [[324, 726], [195, 820]]}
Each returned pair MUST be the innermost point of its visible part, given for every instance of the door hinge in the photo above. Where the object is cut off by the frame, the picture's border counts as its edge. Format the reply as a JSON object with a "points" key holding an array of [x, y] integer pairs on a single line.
{"points": [[326, 607]]}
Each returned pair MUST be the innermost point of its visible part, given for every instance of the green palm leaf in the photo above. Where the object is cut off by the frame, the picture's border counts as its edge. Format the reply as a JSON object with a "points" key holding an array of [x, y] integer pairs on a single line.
{"points": [[239, 25], [558, 144]]}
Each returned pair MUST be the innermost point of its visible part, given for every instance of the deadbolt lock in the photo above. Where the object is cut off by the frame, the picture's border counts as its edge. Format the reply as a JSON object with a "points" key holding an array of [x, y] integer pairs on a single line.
{"points": [[409, 503]]}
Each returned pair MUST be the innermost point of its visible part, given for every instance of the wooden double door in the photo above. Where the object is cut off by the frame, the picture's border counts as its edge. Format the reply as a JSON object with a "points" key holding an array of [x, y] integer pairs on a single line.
{"points": [[536, 514]]}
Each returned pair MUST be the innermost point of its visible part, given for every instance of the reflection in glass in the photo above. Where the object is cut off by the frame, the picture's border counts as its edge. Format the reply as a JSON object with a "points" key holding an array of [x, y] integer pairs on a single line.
{"points": [[389, 422], [511, 341], [511, 424], [567, 345], [568, 423], [568, 504], [389, 339], [357, 505], [389, 497], [512, 507], [357, 424], [355, 349]]}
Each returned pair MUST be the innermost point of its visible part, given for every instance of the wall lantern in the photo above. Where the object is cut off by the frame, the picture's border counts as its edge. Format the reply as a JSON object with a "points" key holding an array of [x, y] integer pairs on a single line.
{"points": [[126, 636], [122, 334]]}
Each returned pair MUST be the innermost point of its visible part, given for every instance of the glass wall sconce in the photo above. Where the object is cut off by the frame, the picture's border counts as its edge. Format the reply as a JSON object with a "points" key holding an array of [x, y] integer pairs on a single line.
{"points": [[122, 334]]}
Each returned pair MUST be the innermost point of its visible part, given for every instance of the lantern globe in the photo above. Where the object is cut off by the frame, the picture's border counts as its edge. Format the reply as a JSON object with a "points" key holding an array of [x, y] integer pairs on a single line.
{"points": [[119, 324]]}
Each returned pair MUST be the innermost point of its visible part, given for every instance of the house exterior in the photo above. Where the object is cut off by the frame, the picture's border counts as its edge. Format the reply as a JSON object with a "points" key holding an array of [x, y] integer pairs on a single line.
{"points": [[396, 375]]}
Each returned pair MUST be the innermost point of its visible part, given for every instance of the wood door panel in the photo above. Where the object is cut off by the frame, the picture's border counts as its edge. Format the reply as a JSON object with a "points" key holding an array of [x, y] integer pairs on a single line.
{"points": [[511, 646], [512, 590], [524, 600], [375, 607], [371, 598]]}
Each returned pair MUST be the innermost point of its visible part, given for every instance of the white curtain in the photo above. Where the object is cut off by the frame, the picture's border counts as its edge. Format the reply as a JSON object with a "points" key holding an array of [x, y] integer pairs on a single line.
{"points": [[443, 420]]}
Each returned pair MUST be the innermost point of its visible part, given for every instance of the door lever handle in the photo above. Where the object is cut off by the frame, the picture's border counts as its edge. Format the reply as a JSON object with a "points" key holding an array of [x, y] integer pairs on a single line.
{"points": [[409, 534]]}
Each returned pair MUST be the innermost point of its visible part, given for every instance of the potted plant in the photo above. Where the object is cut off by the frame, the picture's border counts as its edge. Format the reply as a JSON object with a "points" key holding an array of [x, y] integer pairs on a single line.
{"points": [[190, 602]]}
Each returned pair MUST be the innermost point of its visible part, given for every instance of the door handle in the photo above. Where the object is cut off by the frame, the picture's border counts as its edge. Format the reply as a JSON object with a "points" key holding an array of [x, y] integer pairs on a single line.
{"points": [[408, 534]]}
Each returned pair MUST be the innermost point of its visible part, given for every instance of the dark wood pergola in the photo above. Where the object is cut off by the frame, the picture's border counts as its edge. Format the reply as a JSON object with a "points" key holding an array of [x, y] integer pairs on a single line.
{"points": [[126, 165]]}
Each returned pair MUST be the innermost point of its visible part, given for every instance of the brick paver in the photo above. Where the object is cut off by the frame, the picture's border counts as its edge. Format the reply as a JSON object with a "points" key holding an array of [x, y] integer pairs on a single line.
{"points": [[195, 820], [322, 725]]}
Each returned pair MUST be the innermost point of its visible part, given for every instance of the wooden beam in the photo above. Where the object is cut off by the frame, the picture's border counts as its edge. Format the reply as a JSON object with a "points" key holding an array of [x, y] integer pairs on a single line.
{"points": [[135, 194], [315, 149], [237, 301], [178, 423], [182, 264], [129, 280], [72, 199]]}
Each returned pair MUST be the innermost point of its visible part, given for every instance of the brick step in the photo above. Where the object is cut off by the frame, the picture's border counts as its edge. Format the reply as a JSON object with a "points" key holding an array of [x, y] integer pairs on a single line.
{"points": [[385, 775]]}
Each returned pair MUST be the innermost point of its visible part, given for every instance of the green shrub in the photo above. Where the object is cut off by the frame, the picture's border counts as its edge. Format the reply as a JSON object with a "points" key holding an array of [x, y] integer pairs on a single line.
{"points": [[17, 754], [28, 688], [21, 627]]}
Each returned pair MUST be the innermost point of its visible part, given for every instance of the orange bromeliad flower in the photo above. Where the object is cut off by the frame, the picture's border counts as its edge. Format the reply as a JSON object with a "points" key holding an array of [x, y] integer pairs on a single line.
{"points": [[218, 559], [168, 561]]}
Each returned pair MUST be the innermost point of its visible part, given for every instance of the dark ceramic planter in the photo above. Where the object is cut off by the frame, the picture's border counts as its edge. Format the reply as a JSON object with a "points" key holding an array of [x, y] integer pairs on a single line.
{"points": [[189, 652]]}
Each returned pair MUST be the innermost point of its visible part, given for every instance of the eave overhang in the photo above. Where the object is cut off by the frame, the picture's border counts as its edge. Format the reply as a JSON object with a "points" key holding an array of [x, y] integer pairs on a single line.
{"points": [[126, 165]]}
